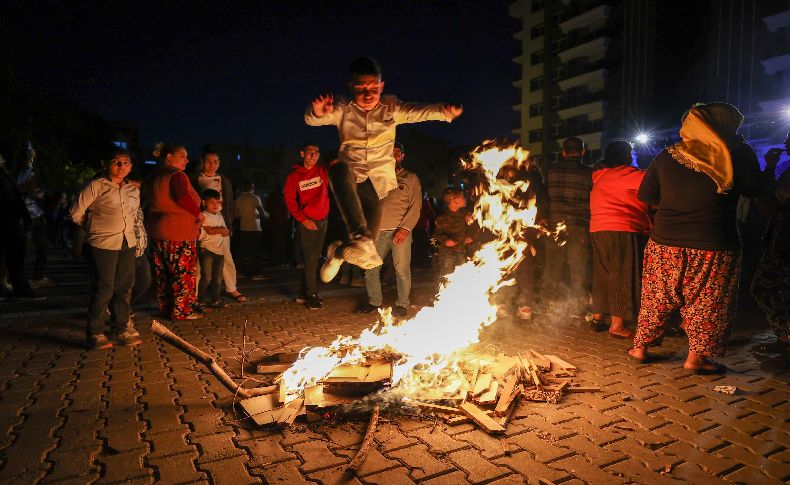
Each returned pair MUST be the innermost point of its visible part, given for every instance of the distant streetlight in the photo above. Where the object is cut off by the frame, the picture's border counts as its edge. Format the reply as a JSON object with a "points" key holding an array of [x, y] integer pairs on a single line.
{"points": [[642, 138]]}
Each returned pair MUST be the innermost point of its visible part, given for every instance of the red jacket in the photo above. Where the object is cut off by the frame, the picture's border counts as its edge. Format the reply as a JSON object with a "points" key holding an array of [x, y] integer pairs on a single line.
{"points": [[614, 205], [307, 193]]}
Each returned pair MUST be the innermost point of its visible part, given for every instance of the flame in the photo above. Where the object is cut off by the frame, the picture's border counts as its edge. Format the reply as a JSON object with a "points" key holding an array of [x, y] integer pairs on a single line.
{"points": [[427, 346]]}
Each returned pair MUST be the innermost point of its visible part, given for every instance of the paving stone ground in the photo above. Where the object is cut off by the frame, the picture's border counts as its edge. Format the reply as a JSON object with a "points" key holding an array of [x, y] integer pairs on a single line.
{"points": [[151, 414]]}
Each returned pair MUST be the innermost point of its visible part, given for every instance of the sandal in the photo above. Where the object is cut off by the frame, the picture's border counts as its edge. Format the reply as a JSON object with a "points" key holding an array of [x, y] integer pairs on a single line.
{"points": [[707, 371], [240, 298]]}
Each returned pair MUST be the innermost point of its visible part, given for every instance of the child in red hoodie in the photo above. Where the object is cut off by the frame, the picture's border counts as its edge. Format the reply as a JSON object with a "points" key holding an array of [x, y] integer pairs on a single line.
{"points": [[307, 198]]}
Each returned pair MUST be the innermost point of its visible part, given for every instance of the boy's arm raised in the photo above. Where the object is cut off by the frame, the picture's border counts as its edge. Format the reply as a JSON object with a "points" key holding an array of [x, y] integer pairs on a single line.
{"points": [[322, 111], [406, 112]]}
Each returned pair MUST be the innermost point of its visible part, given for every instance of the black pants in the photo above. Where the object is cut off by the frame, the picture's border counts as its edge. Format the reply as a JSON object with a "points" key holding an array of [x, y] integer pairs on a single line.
{"points": [[358, 203], [112, 280], [312, 245], [142, 278], [575, 255], [617, 272], [210, 275], [12, 248], [249, 251]]}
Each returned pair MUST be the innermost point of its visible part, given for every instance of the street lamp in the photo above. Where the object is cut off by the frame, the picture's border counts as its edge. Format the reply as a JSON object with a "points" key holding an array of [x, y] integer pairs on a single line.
{"points": [[642, 138]]}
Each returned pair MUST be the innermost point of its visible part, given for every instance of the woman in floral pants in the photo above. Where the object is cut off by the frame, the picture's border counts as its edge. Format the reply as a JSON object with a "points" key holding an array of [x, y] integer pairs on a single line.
{"points": [[692, 260]]}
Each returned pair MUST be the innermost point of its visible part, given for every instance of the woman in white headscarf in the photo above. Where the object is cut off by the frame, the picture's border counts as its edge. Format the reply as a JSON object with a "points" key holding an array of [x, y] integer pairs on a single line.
{"points": [[692, 260]]}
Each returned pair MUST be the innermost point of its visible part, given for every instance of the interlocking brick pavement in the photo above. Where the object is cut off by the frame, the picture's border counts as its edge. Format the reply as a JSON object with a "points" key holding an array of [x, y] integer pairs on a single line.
{"points": [[151, 414]]}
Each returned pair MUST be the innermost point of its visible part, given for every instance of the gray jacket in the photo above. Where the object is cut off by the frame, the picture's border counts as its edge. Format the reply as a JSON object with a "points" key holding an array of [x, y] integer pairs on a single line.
{"points": [[401, 206]]}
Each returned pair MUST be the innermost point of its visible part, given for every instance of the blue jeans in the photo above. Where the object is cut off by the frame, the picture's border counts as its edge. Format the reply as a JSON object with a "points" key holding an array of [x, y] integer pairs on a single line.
{"points": [[401, 259]]}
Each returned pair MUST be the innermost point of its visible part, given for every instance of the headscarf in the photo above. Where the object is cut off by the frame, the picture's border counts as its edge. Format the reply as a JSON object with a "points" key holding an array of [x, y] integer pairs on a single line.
{"points": [[708, 131]]}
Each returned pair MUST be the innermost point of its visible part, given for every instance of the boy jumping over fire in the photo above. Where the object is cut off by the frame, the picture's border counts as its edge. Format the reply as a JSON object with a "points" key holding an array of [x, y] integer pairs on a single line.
{"points": [[365, 170]]}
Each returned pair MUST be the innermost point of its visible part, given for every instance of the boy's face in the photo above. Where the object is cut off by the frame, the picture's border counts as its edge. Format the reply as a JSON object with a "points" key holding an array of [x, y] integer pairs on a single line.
{"points": [[310, 156], [458, 202], [210, 164], [398, 155], [212, 205], [366, 91], [119, 167]]}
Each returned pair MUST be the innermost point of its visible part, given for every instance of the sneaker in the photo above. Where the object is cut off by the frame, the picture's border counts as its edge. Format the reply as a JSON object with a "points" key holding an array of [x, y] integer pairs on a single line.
{"points": [[362, 252], [400, 311], [366, 308], [313, 302], [332, 264], [130, 328], [99, 341], [301, 299], [598, 325], [127, 339]]}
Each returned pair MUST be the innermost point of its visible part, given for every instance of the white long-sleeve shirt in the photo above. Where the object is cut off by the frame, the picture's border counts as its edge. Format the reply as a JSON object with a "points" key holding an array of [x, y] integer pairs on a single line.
{"points": [[367, 138], [107, 211]]}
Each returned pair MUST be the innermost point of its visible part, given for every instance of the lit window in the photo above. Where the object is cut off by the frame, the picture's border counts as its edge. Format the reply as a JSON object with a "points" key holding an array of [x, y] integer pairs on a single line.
{"points": [[120, 144]]}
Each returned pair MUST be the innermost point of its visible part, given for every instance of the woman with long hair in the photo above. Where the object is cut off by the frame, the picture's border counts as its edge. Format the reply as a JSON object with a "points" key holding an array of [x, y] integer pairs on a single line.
{"points": [[173, 220]]}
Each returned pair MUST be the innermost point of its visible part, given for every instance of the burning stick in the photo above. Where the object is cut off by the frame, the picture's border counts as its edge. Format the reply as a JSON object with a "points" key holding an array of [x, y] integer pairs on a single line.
{"points": [[168, 336], [357, 461]]}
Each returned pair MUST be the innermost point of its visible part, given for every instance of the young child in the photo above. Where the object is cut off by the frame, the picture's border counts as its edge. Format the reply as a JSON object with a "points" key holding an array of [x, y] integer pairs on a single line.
{"points": [[452, 235], [214, 242], [365, 170]]}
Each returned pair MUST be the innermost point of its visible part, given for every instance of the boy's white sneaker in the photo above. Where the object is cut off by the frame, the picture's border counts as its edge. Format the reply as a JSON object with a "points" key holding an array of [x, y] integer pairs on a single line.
{"points": [[362, 252], [333, 262]]}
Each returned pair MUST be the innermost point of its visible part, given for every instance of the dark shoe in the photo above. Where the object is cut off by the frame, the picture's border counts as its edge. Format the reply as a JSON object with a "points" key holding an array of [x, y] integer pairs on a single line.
{"points": [[366, 308], [218, 304], [333, 262], [313, 302], [362, 252], [597, 325], [301, 299], [99, 341], [127, 339], [400, 311]]}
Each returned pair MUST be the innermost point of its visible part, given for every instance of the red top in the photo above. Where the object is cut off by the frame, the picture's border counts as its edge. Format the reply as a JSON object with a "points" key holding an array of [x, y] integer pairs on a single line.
{"points": [[173, 207], [307, 193], [614, 205]]}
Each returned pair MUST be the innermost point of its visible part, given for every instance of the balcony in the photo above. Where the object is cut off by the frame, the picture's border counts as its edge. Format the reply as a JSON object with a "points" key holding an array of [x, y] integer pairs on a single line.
{"points": [[778, 21], [517, 9], [583, 19], [587, 48], [592, 104], [519, 59], [593, 79]]}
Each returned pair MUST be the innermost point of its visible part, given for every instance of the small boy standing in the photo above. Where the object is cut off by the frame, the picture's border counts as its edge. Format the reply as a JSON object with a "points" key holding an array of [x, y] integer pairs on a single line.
{"points": [[365, 172], [214, 242], [452, 234], [307, 198]]}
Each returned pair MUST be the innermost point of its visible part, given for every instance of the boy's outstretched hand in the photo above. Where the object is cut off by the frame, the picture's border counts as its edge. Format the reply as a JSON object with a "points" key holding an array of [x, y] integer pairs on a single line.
{"points": [[323, 104], [451, 111]]}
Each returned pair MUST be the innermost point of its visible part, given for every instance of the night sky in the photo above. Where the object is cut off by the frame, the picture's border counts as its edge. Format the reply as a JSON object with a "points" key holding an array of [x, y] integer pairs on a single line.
{"points": [[246, 74]]}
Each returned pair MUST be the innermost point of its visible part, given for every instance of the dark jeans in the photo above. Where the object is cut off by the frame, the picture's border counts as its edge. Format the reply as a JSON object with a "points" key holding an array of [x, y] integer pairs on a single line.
{"points": [[358, 203], [210, 275], [249, 251], [41, 244], [280, 236], [142, 278], [312, 245], [112, 280], [13, 246], [576, 256]]}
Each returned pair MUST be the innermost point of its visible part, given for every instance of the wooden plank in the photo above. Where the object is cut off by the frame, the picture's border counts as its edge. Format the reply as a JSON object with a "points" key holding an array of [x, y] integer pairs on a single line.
{"points": [[482, 384], [291, 411], [540, 360], [481, 418], [375, 371], [262, 409], [506, 396], [456, 420], [510, 411], [267, 368], [489, 396], [504, 366], [431, 407], [318, 396], [561, 364]]}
